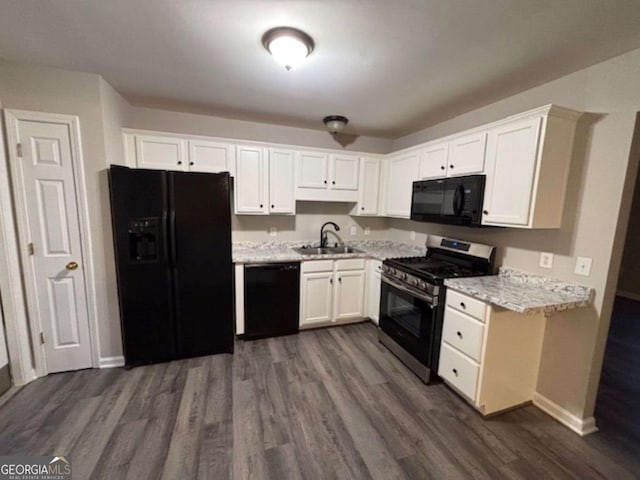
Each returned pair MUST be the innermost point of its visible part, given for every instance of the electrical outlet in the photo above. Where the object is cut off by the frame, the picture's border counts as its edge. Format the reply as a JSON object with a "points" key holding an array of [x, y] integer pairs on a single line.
{"points": [[273, 231], [353, 230], [367, 231], [412, 235], [546, 260], [583, 266]]}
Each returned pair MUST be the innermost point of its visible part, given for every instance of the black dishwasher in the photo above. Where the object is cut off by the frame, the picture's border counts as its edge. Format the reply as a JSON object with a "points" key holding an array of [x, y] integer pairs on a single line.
{"points": [[271, 299]]}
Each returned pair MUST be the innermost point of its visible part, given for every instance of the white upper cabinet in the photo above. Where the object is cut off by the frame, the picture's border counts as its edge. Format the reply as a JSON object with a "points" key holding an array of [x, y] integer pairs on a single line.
{"points": [[313, 170], [251, 184], [161, 152], [434, 161], [166, 152], [211, 157], [527, 168], [343, 172], [369, 193], [281, 181], [327, 177], [402, 171], [466, 154]]}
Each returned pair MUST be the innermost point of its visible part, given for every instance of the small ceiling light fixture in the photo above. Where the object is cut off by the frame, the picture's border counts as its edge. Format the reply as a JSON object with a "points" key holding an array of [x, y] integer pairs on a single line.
{"points": [[335, 123], [289, 46]]}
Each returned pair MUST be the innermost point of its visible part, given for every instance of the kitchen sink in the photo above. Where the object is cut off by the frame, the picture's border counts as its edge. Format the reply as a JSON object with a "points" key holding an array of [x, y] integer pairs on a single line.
{"points": [[326, 250]]}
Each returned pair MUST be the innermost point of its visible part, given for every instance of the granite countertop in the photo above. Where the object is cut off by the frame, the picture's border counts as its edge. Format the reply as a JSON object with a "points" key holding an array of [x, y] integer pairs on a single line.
{"points": [[524, 292], [272, 252]]}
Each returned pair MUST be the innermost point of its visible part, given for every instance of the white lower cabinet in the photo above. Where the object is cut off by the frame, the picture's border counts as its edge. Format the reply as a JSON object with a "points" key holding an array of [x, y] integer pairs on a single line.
{"points": [[374, 269], [332, 291], [490, 355]]}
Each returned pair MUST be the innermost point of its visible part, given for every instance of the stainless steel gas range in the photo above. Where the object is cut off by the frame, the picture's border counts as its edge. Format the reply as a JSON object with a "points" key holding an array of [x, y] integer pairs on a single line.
{"points": [[412, 299]]}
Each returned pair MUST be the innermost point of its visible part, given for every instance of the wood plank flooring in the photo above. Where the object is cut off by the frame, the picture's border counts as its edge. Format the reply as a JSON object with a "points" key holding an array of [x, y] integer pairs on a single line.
{"points": [[330, 403]]}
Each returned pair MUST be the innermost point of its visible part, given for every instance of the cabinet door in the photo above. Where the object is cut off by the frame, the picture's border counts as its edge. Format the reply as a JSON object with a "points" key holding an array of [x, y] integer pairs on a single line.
{"points": [[369, 186], [312, 170], [211, 157], [281, 181], [512, 152], [434, 161], [403, 171], [349, 302], [373, 290], [251, 182], [160, 152], [344, 172], [466, 154], [317, 296]]}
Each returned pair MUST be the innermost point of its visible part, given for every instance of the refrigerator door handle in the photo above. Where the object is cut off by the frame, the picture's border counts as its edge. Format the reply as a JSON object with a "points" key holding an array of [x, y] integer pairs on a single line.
{"points": [[174, 238], [165, 235]]}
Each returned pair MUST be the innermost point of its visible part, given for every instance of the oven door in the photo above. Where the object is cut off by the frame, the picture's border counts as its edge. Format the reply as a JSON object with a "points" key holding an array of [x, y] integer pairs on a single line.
{"points": [[409, 318]]}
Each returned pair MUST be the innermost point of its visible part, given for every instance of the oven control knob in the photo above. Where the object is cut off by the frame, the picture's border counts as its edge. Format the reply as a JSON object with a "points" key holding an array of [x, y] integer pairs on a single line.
{"points": [[416, 282], [403, 276], [423, 285]]}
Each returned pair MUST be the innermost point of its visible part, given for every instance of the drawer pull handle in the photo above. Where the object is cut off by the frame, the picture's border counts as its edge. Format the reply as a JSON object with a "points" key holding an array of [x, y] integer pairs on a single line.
{"points": [[463, 305], [459, 334], [455, 372]]}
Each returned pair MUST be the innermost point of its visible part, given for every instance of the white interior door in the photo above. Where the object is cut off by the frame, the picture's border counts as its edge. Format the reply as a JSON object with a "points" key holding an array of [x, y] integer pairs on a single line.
{"points": [[49, 223]]}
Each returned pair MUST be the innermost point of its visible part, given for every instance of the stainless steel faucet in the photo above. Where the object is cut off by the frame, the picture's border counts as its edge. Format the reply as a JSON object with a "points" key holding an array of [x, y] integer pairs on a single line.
{"points": [[323, 235]]}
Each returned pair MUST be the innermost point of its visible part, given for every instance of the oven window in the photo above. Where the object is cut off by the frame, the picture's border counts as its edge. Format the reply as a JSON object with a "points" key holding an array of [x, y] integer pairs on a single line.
{"points": [[404, 312]]}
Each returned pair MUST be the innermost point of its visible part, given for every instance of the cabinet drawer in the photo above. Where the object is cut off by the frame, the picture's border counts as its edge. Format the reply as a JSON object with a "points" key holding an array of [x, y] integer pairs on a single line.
{"points": [[317, 266], [463, 332], [468, 305], [459, 371], [350, 264]]}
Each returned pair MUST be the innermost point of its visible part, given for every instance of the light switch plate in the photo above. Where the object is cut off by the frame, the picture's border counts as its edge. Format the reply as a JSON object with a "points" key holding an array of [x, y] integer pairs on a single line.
{"points": [[273, 231], [583, 266], [546, 259], [367, 231], [353, 230], [412, 235]]}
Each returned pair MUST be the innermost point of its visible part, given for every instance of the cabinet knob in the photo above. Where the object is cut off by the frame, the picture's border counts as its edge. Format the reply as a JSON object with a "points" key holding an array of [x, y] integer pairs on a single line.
{"points": [[331, 281], [450, 166], [361, 208], [441, 167], [340, 279], [333, 182], [261, 205], [325, 182], [273, 206], [463, 305], [459, 334], [455, 372], [191, 163], [179, 162], [486, 212]]}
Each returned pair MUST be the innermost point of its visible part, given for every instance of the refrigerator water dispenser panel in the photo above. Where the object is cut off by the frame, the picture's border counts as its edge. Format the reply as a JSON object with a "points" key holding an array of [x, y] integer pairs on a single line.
{"points": [[143, 240]]}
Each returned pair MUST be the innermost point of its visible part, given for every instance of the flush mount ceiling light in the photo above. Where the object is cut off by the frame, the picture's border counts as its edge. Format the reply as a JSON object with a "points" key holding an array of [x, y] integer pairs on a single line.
{"points": [[289, 46], [335, 123]]}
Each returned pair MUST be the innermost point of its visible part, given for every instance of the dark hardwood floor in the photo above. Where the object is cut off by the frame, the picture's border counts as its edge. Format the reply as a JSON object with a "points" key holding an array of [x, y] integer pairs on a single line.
{"points": [[329, 403], [618, 404]]}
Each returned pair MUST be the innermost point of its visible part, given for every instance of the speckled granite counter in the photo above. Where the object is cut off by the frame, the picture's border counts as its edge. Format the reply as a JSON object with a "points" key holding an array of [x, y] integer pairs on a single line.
{"points": [[524, 292], [269, 252]]}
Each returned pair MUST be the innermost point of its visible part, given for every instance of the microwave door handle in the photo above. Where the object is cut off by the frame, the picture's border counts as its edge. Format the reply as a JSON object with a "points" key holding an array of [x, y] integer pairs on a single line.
{"points": [[458, 200]]}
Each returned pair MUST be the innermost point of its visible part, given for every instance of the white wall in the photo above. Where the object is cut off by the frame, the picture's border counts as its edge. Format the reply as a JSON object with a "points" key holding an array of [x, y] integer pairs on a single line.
{"points": [[600, 174], [4, 357]]}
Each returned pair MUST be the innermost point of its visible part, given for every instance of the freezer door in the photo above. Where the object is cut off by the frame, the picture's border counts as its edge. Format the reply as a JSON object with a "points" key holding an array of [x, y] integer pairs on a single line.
{"points": [[200, 236], [139, 212]]}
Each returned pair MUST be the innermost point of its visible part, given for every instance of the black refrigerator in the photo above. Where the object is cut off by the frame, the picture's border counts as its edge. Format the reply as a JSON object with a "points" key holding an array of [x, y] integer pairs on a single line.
{"points": [[172, 237]]}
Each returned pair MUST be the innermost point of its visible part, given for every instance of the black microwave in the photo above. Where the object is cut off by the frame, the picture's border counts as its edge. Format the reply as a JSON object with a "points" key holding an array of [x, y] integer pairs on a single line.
{"points": [[455, 200]]}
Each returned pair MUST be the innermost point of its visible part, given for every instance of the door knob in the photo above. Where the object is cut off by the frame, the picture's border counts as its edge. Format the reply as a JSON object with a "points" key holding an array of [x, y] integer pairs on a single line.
{"points": [[72, 266]]}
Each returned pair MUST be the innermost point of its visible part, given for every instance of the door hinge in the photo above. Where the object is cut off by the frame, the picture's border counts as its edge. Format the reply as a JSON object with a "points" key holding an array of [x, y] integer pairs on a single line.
{"points": [[31, 249], [19, 150], [41, 338]]}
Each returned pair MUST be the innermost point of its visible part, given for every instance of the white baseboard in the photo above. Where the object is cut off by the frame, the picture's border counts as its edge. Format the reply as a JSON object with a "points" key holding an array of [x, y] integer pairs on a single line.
{"points": [[582, 426], [629, 295], [111, 362]]}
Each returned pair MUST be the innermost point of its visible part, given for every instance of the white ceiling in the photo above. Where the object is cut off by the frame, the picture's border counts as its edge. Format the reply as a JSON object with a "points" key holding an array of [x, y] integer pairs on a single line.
{"points": [[392, 67]]}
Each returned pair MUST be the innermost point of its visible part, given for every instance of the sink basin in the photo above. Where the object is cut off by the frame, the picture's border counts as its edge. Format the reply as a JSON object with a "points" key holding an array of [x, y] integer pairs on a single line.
{"points": [[326, 250]]}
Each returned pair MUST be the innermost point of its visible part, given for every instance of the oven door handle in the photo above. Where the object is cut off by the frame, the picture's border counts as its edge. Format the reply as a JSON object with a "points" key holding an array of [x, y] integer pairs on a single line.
{"points": [[422, 296]]}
